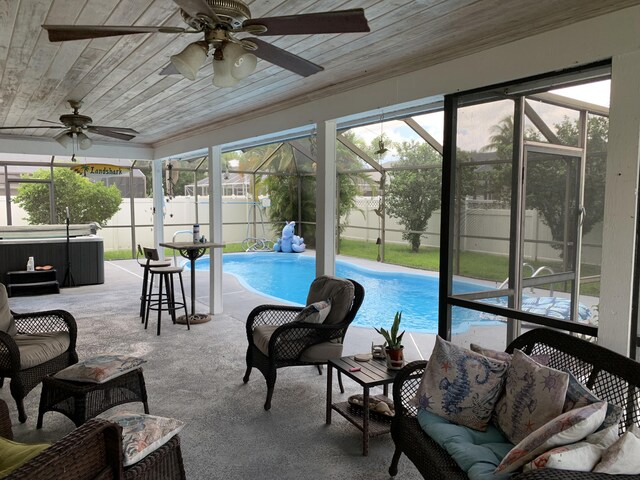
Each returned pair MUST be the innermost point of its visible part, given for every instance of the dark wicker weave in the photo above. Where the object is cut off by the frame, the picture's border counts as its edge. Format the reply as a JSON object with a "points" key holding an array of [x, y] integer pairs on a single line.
{"points": [[81, 401], [5, 421], [611, 376], [290, 340], [163, 464], [94, 451], [23, 381]]}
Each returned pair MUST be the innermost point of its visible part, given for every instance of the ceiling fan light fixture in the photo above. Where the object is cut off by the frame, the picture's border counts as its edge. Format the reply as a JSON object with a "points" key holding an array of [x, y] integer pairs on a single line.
{"points": [[221, 21], [65, 139], [243, 63], [84, 142], [189, 60], [222, 76]]}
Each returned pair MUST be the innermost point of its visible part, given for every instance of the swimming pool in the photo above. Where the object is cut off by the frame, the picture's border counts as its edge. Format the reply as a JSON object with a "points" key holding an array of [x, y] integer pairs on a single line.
{"points": [[287, 277]]}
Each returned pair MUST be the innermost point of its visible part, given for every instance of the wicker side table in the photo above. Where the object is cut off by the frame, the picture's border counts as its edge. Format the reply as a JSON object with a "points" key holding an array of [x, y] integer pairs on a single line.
{"points": [[81, 401], [373, 373]]}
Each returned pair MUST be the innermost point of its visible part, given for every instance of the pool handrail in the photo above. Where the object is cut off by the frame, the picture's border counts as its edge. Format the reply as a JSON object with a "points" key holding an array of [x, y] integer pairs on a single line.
{"points": [[534, 273]]}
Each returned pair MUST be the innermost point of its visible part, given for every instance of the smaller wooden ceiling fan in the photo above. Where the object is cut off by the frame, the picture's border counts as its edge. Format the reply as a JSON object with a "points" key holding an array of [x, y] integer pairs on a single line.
{"points": [[74, 125], [220, 21]]}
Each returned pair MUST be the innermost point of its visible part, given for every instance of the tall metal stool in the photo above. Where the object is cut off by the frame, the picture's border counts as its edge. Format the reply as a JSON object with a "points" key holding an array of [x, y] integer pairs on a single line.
{"points": [[145, 277], [168, 303]]}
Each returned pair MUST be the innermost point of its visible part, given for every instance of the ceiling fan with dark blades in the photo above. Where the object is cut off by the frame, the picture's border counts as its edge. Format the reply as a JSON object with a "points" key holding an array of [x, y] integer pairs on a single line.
{"points": [[74, 125], [220, 21]]}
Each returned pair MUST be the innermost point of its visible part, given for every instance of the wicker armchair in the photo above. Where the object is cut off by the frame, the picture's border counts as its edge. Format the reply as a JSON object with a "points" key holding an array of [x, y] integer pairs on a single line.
{"points": [[94, 451], [276, 341], [51, 327], [612, 377]]}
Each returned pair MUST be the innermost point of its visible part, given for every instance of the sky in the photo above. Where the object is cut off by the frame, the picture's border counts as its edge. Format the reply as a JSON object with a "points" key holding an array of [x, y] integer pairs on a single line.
{"points": [[597, 92], [474, 123]]}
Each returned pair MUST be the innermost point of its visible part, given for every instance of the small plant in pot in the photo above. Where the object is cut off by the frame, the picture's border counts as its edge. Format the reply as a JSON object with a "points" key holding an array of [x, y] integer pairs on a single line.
{"points": [[394, 348]]}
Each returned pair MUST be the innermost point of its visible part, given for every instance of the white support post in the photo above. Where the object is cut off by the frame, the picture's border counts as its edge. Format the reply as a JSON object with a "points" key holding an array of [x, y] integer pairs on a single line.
{"points": [[620, 215], [326, 199], [215, 222], [158, 206]]}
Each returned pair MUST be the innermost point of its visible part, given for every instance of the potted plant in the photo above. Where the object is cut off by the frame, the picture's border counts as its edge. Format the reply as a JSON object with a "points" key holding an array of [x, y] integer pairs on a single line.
{"points": [[394, 348]]}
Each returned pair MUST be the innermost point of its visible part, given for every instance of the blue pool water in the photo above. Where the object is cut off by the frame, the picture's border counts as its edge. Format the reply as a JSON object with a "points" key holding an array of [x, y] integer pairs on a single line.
{"points": [[288, 276]]}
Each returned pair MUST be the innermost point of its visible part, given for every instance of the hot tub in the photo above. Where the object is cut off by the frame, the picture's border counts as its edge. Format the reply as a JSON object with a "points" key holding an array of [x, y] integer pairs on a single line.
{"points": [[48, 245]]}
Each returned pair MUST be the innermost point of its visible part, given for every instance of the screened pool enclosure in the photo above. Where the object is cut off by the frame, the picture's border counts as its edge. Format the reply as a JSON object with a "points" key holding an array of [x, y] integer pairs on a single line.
{"points": [[516, 205]]}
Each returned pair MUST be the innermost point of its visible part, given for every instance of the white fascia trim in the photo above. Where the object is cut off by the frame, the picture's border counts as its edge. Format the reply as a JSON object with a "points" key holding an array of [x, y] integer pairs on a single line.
{"points": [[49, 147]]}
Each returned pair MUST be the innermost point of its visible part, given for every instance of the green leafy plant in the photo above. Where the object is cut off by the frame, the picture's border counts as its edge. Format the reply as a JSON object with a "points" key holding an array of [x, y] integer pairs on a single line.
{"points": [[394, 341], [88, 201]]}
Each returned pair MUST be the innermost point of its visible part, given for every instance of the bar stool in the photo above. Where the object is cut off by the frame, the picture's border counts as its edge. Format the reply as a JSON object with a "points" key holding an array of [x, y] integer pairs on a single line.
{"points": [[153, 261], [169, 303]]}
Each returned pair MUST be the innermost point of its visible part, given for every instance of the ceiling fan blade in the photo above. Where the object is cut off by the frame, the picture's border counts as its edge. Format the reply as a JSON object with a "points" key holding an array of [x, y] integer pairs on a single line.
{"points": [[48, 121], [27, 126], [170, 69], [108, 132], [62, 33], [197, 7], [340, 21], [117, 129], [284, 59]]}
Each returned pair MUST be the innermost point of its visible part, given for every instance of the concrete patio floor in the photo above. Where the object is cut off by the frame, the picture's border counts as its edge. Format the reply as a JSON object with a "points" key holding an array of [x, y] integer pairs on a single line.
{"points": [[196, 376]]}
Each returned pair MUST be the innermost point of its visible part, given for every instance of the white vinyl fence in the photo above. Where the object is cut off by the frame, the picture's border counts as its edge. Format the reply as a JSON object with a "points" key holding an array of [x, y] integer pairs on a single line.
{"points": [[483, 229]]}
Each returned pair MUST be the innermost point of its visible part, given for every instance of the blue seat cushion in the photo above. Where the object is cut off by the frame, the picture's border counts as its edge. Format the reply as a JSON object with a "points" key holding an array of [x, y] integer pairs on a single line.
{"points": [[476, 453]]}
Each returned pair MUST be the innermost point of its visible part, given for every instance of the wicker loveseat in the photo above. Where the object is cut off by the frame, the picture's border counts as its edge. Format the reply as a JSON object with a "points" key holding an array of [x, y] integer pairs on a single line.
{"points": [[94, 451], [612, 377]]}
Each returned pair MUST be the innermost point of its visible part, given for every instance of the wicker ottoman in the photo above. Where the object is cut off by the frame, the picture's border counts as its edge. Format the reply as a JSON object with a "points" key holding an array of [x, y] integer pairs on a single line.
{"points": [[81, 401]]}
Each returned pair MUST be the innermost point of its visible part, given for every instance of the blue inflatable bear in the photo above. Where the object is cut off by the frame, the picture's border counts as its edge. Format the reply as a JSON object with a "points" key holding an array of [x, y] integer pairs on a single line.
{"points": [[289, 242]]}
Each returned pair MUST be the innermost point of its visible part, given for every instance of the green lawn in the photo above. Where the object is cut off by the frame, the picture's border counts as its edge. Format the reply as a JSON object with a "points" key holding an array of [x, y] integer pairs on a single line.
{"points": [[426, 259], [482, 266], [474, 265]]}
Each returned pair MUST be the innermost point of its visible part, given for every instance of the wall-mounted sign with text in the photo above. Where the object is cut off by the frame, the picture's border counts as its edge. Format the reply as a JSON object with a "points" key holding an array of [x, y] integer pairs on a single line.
{"points": [[98, 169]]}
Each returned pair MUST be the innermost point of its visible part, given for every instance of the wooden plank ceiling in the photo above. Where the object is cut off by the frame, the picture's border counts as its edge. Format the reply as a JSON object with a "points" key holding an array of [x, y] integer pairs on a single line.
{"points": [[118, 78]]}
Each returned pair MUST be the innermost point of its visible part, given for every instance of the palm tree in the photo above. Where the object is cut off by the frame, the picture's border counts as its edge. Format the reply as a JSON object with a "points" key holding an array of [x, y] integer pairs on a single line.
{"points": [[501, 141]]}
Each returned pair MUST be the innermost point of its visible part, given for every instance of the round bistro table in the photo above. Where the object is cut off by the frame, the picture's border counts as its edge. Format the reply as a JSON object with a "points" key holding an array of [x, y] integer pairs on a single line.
{"points": [[192, 251]]}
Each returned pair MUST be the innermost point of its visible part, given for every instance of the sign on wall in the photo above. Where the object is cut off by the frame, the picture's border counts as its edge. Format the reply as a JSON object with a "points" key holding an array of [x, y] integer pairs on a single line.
{"points": [[100, 169]]}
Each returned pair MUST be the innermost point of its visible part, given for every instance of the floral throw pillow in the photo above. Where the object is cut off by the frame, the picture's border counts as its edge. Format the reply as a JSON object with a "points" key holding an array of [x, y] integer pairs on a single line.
{"points": [[623, 457], [315, 313], [100, 369], [143, 434], [460, 385], [533, 395], [579, 457], [567, 428], [578, 396]]}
